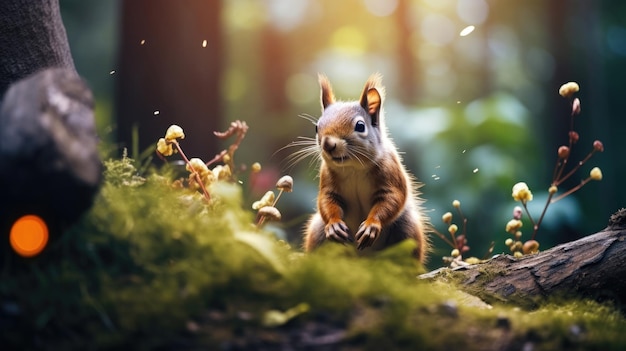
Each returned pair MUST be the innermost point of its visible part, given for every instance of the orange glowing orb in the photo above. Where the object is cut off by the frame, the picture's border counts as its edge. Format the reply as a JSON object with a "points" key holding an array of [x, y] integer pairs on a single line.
{"points": [[29, 235]]}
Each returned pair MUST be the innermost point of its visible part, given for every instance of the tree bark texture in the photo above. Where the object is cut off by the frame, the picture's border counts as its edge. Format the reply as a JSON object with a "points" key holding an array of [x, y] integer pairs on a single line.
{"points": [[32, 37], [594, 266]]}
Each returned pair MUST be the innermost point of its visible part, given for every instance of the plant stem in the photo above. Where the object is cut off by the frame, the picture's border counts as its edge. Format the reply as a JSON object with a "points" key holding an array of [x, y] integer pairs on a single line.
{"points": [[217, 157], [193, 171], [559, 181], [443, 237], [572, 190], [528, 213], [543, 213], [464, 232], [561, 167]]}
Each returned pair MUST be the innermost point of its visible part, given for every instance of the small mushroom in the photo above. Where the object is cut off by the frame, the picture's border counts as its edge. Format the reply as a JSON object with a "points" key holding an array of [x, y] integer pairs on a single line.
{"points": [[266, 200], [270, 213], [285, 183], [174, 132]]}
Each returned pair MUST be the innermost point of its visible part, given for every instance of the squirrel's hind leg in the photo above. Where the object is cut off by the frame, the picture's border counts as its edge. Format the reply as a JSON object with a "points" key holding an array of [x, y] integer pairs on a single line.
{"points": [[314, 234], [407, 226]]}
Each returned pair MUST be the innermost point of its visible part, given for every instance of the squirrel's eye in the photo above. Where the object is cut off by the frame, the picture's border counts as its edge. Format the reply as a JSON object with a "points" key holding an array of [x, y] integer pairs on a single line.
{"points": [[359, 127]]}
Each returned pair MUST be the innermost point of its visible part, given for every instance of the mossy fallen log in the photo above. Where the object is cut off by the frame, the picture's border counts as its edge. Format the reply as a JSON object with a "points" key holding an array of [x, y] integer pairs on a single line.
{"points": [[594, 266]]}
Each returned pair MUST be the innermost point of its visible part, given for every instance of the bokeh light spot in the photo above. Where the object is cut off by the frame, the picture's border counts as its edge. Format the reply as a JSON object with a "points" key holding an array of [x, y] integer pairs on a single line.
{"points": [[244, 14], [29, 235], [349, 39], [381, 8], [473, 11], [438, 29]]}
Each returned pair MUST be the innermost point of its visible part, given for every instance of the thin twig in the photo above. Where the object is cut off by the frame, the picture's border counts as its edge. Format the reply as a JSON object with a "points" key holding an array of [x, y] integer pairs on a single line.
{"points": [[193, 171], [464, 232], [543, 213], [240, 128], [443, 237], [569, 174], [572, 190], [217, 157]]}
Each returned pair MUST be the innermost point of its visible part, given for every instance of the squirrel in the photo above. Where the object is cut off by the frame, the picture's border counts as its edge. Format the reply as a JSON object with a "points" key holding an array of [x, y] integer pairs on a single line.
{"points": [[365, 193]]}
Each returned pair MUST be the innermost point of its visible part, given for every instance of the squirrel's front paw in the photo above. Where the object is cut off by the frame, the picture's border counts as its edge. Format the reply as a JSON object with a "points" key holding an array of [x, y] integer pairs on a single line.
{"points": [[338, 231], [367, 234]]}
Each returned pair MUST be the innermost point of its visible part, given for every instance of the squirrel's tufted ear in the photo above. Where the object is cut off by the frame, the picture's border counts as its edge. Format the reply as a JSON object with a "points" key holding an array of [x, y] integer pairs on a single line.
{"points": [[372, 97], [328, 97]]}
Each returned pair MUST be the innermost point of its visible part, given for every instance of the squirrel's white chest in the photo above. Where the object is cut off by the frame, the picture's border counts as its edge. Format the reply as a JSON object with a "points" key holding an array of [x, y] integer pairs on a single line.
{"points": [[356, 192]]}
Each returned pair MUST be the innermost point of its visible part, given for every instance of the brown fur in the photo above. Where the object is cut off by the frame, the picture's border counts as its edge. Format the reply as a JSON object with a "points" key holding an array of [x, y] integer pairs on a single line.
{"points": [[365, 194]]}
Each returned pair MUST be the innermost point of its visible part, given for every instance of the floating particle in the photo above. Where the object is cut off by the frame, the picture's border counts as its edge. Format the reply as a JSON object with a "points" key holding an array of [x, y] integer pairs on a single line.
{"points": [[475, 170], [156, 112], [437, 166], [112, 72], [463, 151], [143, 41], [467, 30], [204, 42], [436, 178]]}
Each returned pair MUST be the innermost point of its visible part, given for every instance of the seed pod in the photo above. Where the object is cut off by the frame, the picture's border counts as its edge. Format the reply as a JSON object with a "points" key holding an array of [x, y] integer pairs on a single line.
{"points": [[595, 173], [568, 89], [256, 167], [447, 218], [598, 146], [453, 229], [576, 106], [563, 152], [517, 212], [531, 246]]}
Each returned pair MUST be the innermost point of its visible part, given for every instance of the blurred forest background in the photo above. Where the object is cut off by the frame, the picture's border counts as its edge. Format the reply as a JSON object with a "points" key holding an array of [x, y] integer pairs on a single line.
{"points": [[472, 114]]}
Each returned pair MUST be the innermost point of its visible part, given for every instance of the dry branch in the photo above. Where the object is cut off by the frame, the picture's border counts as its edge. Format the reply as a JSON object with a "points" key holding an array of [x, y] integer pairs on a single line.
{"points": [[594, 266]]}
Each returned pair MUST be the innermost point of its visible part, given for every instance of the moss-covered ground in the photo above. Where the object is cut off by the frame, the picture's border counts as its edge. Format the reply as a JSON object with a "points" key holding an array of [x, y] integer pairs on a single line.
{"points": [[151, 267]]}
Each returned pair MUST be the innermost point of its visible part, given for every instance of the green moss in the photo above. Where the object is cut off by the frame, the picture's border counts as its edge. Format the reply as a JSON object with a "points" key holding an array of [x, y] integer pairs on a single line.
{"points": [[151, 266]]}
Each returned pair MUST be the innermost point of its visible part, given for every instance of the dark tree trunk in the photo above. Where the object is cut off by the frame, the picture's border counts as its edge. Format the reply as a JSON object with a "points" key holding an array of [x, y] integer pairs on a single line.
{"points": [[165, 65], [32, 37], [407, 71], [49, 164], [594, 266], [275, 69]]}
